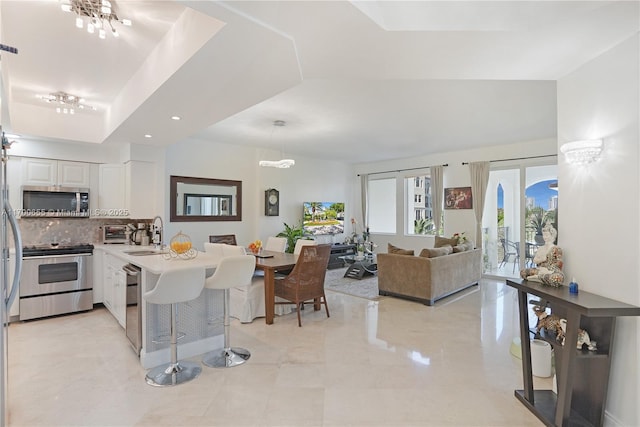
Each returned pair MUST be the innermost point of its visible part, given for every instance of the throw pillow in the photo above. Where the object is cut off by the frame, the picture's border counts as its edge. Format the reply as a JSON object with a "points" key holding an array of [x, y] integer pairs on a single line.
{"points": [[436, 252], [466, 246], [395, 250], [443, 241]]}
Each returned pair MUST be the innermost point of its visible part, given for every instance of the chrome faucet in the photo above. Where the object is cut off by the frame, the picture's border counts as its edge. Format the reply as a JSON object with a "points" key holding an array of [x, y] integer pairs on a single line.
{"points": [[157, 232]]}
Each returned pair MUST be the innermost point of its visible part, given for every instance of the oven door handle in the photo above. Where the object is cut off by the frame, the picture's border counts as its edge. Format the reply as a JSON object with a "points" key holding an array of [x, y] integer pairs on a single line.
{"points": [[17, 238], [131, 271]]}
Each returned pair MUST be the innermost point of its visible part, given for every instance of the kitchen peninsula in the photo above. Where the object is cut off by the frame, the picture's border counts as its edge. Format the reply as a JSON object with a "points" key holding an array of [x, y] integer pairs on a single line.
{"points": [[199, 319]]}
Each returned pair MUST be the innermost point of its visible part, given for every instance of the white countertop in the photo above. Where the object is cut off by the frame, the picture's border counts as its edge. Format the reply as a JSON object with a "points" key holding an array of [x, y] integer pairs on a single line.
{"points": [[160, 262]]}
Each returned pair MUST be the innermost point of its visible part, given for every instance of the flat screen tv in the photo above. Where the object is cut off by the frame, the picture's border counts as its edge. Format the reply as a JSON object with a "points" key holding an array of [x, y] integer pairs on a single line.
{"points": [[323, 218]]}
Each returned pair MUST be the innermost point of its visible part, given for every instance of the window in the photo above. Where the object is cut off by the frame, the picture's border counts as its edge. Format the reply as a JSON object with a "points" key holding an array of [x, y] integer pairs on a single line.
{"points": [[382, 205], [418, 206]]}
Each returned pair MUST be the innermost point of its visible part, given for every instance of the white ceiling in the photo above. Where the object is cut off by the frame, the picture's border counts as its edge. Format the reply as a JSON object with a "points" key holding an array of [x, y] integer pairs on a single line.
{"points": [[358, 81]]}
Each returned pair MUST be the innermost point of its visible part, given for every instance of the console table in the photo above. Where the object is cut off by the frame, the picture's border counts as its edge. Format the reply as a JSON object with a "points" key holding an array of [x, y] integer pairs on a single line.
{"points": [[582, 375], [337, 251]]}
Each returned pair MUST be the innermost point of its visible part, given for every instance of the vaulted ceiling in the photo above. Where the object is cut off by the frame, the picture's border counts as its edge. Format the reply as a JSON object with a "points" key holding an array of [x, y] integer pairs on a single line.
{"points": [[358, 81]]}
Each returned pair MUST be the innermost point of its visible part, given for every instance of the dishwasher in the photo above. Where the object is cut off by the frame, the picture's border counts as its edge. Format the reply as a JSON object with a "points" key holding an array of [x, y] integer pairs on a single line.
{"points": [[133, 320]]}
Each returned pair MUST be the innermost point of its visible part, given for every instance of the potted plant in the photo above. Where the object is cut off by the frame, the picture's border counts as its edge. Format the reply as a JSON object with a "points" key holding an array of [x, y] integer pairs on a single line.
{"points": [[292, 233], [536, 219]]}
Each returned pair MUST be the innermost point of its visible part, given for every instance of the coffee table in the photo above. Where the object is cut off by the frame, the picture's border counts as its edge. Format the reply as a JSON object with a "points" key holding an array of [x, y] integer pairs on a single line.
{"points": [[360, 266]]}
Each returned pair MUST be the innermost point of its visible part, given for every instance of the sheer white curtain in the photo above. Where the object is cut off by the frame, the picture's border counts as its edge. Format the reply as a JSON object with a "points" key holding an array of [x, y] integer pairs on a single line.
{"points": [[437, 195], [479, 172], [364, 199]]}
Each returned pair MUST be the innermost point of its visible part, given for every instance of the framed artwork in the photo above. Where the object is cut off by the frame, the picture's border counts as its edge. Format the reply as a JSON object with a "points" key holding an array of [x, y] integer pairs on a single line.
{"points": [[458, 198]]}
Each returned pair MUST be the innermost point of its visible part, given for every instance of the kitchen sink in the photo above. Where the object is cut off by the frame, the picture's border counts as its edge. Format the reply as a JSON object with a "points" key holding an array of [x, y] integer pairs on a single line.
{"points": [[142, 252]]}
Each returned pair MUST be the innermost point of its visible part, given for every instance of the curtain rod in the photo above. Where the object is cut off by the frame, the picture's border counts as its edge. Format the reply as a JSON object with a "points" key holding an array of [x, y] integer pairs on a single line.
{"points": [[518, 158], [403, 170]]}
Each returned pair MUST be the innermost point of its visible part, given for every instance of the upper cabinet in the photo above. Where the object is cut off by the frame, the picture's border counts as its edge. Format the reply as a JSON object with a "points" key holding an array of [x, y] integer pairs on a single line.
{"points": [[140, 189], [111, 190], [130, 188], [47, 172]]}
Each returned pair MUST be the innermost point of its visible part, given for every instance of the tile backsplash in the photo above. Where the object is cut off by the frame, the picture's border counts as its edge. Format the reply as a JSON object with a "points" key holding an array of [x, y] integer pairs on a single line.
{"points": [[37, 231]]}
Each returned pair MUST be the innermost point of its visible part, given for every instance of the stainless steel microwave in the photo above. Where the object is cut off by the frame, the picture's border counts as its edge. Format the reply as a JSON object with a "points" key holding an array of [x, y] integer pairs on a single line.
{"points": [[47, 202]]}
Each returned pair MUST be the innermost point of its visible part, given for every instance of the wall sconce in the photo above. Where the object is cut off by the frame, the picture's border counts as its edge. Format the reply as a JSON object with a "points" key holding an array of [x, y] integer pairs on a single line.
{"points": [[582, 152]]}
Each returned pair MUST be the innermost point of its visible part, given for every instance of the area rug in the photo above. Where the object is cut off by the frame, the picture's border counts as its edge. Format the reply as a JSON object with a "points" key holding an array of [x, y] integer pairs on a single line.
{"points": [[365, 288]]}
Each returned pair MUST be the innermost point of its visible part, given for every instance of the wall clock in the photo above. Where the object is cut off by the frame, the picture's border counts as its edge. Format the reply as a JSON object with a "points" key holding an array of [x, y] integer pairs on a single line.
{"points": [[272, 202]]}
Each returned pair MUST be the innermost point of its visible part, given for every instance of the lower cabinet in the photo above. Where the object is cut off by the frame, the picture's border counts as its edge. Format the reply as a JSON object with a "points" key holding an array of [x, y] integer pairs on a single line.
{"points": [[115, 287]]}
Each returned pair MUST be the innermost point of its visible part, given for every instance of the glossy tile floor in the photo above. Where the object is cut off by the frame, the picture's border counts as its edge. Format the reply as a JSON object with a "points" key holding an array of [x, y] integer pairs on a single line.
{"points": [[384, 363]]}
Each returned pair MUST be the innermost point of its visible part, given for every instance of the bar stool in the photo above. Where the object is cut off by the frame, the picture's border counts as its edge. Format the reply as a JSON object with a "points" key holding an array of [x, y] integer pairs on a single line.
{"points": [[173, 287], [232, 271]]}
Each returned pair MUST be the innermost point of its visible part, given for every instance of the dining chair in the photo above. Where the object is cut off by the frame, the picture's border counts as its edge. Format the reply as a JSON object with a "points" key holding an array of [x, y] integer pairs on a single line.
{"points": [[173, 287], [229, 239], [303, 242], [530, 250], [235, 270], [306, 280], [276, 244], [246, 301], [514, 249], [507, 251]]}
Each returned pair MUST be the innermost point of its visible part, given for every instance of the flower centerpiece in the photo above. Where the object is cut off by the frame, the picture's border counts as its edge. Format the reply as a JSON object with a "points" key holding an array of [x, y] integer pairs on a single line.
{"points": [[255, 247], [361, 239]]}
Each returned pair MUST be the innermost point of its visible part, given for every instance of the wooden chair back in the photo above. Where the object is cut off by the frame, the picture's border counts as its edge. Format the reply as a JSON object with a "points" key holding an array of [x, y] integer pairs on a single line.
{"points": [[306, 280]]}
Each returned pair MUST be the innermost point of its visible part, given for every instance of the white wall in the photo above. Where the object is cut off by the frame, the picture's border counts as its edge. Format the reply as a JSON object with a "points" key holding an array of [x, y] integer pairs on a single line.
{"points": [[455, 175], [308, 180], [601, 100]]}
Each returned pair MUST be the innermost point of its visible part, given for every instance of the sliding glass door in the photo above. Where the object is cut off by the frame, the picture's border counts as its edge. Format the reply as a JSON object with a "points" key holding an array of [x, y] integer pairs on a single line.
{"points": [[520, 200]]}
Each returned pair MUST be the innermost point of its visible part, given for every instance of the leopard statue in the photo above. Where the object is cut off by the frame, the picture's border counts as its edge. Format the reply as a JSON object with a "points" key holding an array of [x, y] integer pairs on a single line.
{"points": [[550, 322]]}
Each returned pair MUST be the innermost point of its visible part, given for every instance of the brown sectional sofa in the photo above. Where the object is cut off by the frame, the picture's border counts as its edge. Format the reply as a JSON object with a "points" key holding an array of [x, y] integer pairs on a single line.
{"points": [[428, 279]]}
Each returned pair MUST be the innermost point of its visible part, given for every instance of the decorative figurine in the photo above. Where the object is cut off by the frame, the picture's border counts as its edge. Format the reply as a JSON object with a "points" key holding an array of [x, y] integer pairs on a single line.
{"points": [[548, 260], [550, 322], [583, 337]]}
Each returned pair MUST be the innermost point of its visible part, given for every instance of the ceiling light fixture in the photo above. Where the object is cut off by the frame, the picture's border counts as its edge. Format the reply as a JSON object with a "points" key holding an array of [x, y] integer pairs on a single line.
{"points": [[281, 164], [67, 103], [99, 15], [175, 117], [582, 152]]}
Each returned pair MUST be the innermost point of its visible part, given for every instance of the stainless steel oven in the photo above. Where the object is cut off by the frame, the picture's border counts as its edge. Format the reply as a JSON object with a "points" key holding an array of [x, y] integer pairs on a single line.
{"points": [[56, 280]]}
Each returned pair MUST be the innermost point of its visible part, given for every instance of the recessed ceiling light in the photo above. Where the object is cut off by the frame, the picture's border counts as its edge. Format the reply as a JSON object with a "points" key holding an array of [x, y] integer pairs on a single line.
{"points": [[146, 135], [175, 117]]}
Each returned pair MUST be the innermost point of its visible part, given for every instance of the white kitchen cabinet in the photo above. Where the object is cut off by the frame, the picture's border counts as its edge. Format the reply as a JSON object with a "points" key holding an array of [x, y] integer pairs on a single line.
{"points": [[140, 189], [127, 190], [111, 191], [114, 287], [48, 172]]}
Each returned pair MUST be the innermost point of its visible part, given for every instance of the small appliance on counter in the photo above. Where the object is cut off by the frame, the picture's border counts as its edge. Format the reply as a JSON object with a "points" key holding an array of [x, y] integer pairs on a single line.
{"points": [[139, 234], [117, 233]]}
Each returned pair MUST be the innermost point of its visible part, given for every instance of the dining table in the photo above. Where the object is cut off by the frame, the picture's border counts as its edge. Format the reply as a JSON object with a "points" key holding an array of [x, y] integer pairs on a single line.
{"points": [[272, 262]]}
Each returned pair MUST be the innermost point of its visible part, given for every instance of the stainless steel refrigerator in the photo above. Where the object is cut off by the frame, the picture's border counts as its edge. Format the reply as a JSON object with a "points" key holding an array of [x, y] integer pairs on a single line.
{"points": [[9, 229]]}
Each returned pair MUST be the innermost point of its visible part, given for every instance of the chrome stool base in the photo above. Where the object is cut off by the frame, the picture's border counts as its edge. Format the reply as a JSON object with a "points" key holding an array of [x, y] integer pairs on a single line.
{"points": [[173, 374], [226, 357]]}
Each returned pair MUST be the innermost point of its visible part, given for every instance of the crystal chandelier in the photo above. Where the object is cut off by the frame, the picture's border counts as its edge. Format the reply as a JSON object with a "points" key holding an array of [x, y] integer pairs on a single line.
{"points": [[98, 13], [67, 103]]}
